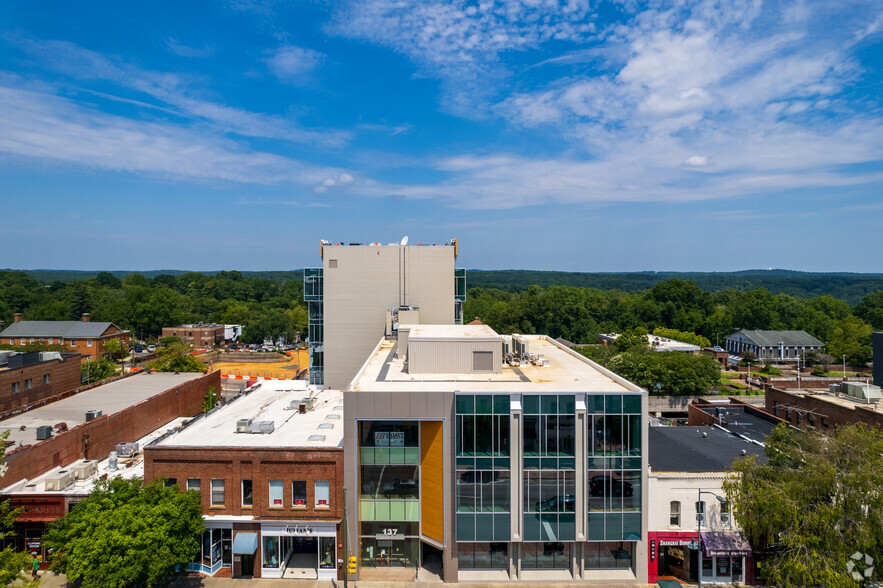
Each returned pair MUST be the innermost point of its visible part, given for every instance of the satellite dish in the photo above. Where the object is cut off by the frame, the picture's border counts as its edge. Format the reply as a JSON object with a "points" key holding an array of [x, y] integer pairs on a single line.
{"points": [[404, 241]]}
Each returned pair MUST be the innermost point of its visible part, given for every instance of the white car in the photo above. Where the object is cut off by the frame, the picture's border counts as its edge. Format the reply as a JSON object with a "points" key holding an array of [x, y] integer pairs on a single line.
{"points": [[151, 348]]}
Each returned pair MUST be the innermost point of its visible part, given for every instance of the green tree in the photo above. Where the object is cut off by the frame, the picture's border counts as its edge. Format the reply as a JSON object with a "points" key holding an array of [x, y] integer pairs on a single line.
{"points": [[175, 357], [211, 399], [815, 502], [870, 309], [852, 338], [115, 349], [633, 339], [94, 371], [127, 534], [668, 373], [682, 336], [11, 562]]}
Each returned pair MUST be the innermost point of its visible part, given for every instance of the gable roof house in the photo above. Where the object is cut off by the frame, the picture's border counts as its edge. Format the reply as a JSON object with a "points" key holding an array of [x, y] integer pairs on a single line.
{"points": [[82, 336], [779, 345]]}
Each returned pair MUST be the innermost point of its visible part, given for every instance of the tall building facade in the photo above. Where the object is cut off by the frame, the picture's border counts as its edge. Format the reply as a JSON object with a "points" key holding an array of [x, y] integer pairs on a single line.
{"points": [[483, 457], [360, 293]]}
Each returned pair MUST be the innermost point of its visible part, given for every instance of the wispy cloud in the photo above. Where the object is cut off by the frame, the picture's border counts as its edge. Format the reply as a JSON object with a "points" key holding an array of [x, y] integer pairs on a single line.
{"points": [[176, 91], [182, 50], [293, 64]]}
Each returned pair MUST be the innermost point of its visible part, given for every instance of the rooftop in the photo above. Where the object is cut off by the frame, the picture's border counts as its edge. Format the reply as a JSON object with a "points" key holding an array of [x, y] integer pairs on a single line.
{"points": [[744, 420], [840, 400], [567, 371], [451, 332], [108, 398], [126, 467], [271, 400], [658, 343], [775, 338], [64, 329], [697, 449]]}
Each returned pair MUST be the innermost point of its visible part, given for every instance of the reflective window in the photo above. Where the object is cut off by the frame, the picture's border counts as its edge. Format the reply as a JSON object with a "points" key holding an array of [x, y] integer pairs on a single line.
{"points": [[609, 556], [546, 555], [549, 504], [298, 493], [483, 556], [276, 494], [217, 492]]}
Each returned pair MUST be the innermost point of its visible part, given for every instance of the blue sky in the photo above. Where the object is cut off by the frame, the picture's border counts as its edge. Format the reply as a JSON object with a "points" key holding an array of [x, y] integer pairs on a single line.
{"points": [[569, 135]]}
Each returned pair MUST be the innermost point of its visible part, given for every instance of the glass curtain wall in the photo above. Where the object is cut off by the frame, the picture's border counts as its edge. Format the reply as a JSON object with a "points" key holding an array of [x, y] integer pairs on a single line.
{"points": [[614, 477], [483, 480], [389, 502], [314, 297]]}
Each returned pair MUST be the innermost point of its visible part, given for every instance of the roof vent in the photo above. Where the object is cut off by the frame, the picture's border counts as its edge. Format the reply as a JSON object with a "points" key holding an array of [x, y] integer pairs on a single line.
{"points": [[92, 414], [127, 449], [44, 432], [242, 425], [112, 460], [704, 434], [262, 427]]}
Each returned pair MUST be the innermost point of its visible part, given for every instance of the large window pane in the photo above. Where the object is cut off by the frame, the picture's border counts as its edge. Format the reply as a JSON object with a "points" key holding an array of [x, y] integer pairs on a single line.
{"points": [[609, 556], [323, 494], [217, 492], [276, 494], [545, 556]]}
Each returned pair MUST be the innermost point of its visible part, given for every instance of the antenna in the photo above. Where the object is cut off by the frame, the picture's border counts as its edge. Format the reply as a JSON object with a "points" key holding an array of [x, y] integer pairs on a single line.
{"points": [[404, 241]]}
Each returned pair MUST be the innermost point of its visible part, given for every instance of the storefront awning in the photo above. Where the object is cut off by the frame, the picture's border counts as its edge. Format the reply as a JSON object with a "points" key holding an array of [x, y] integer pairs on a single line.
{"points": [[245, 543], [725, 544]]}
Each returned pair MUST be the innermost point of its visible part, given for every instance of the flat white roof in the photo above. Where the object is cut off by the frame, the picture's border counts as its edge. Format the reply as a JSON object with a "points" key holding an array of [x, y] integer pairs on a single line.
{"points": [[126, 468], [108, 398], [322, 426], [454, 332], [567, 371]]}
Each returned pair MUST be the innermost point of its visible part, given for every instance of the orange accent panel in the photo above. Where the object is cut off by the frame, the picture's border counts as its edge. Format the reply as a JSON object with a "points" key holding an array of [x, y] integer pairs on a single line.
{"points": [[432, 480]]}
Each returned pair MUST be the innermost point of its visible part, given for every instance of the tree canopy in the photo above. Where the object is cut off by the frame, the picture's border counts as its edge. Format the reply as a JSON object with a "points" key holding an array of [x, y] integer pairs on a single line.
{"points": [[126, 534], [815, 503], [12, 562]]}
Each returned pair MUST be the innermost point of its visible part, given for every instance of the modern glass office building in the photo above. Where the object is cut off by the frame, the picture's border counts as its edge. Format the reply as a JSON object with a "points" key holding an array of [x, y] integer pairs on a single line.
{"points": [[482, 457]]}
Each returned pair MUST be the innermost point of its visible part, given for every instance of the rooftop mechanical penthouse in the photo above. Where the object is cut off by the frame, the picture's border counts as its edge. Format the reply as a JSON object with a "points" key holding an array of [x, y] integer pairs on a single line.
{"points": [[487, 457]]}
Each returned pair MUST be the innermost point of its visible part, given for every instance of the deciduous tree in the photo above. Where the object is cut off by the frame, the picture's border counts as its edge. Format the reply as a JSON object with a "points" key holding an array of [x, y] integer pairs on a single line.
{"points": [[816, 502]]}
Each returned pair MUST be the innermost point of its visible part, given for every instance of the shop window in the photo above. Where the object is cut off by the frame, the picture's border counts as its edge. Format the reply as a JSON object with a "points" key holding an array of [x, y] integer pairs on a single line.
{"points": [[270, 552], [327, 553], [217, 492], [194, 484], [276, 494], [675, 514], [247, 495], [299, 493], [610, 555], [483, 556], [544, 556], [323, 498]]}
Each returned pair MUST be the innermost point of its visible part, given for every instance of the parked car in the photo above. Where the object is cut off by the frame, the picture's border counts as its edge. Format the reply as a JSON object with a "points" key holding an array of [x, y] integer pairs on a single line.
{"points": [[557, 504], [151, 348], [400, 488], [598, 486], [138, 349]]}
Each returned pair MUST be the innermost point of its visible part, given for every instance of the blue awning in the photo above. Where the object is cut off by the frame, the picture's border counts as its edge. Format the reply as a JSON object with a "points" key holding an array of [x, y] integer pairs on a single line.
{"points": [[245, 543]]}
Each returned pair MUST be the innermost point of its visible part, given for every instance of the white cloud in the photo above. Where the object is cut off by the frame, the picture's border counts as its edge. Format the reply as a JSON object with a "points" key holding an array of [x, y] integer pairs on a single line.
{"points": [[696, 161], [37, 124], [293, 64], [182, 50], [177, 91]]}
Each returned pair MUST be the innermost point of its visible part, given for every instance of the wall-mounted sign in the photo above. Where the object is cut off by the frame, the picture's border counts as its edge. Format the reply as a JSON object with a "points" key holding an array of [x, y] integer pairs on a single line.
{"points": [[675, 542], [389, 439], [652, 549], [299, 530]]}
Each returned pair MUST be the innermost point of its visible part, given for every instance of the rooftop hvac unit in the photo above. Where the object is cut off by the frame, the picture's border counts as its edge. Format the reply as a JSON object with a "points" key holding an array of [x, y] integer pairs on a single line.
{"points": [[262, 427], [59, 481], [127, 449], [834, 389], [83, 469], [242, 425], [44, 432], [92, 414], [308, 401], [112, 460]]}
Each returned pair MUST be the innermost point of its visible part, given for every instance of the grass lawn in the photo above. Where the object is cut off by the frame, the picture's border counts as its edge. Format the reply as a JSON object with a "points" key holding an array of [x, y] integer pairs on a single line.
{"points": [[839, 375], [733, 383]]}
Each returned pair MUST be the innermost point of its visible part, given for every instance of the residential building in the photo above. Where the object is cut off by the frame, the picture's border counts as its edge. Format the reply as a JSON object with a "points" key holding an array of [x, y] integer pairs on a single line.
{"points": [[362, 292], [83, 336], [269, 465], [772, 345], [26, 378], [199, 335], [482, 457]]}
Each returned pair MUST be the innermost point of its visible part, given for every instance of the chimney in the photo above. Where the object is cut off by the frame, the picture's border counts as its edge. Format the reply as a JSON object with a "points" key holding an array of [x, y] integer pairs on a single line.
{"points": [[85, 317], [17, 317]]}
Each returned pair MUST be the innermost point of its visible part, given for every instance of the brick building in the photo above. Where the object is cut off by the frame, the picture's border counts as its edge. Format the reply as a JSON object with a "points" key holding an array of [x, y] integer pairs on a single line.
{"points": [[821, 410], [199, 335], [28, 377], [271, 478], [83, 336]]}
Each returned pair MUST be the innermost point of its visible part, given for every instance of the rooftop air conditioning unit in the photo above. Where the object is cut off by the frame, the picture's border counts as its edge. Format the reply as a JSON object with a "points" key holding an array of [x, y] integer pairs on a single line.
{"points": [[59, 480], [262, 427], [308, 401], [242, 425], [834, 389], [44, 432], [127, 449], [83, 469], [92, 414]]}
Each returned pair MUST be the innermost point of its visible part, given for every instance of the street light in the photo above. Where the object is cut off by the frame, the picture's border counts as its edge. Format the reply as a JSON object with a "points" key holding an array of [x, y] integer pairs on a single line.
{"points": [[699, 516]]}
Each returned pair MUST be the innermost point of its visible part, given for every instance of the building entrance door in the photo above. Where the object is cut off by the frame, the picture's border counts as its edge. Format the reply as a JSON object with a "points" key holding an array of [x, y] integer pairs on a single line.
{"points": [[431, 564]]}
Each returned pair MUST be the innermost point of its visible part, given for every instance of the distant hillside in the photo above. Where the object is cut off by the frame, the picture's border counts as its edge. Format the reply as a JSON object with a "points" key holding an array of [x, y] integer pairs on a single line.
{"points": [[849, 287]]}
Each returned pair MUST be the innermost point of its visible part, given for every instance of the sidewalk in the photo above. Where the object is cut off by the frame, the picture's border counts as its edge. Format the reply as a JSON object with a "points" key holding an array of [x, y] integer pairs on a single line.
{"points": [[49, 580]]}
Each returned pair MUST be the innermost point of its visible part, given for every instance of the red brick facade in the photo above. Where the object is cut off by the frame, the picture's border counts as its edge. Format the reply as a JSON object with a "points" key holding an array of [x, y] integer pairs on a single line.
{"points": [[201, 336], [260, 465], [815, 411], [97, 438], [23, 386], [89, 349]]}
